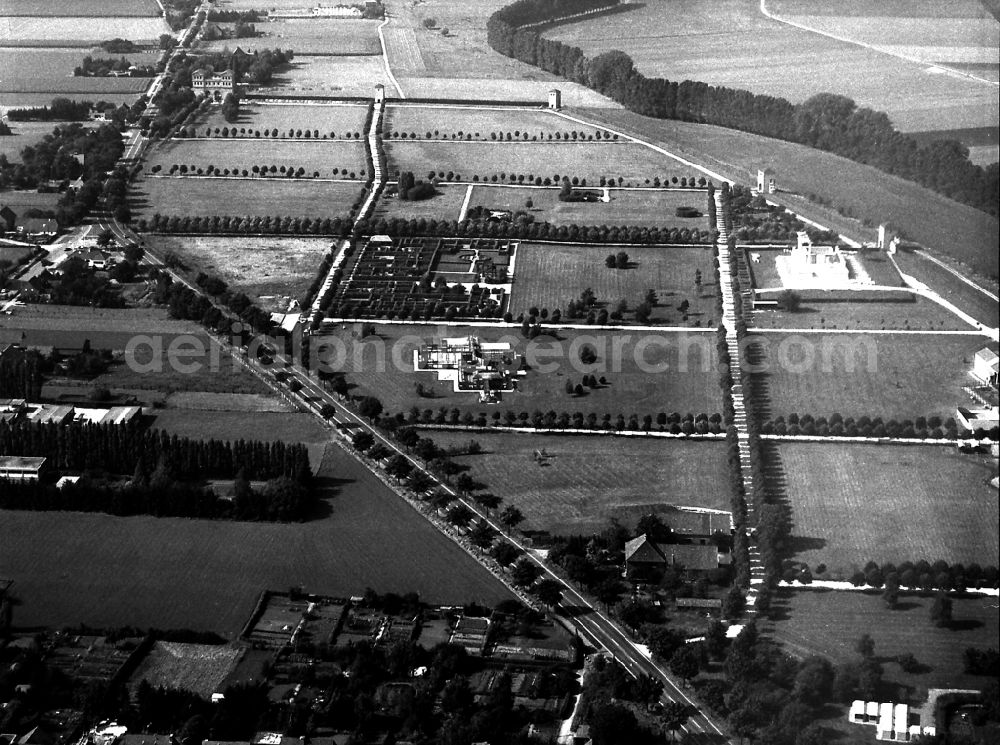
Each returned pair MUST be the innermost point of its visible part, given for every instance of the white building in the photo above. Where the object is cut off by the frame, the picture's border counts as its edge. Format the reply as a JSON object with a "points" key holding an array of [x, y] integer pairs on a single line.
{"points": [[984, 366]]}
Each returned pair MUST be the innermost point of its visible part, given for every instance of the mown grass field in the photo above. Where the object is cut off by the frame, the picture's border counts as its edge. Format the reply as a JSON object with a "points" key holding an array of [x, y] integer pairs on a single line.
{"points": [[329, 119], [106, 571], [586, 481], [830, 623], [383, 367], [445, 205], [244, 196], [81, 8], [480, 123], [743, 36], [627, 207], [270, 270], [534, 87], [851, 504], [549, 276], [929, 218], [245, 153], [589, 161], [333, 76], [922, 314], [953, 289], [21, 201], [307, 36], [899, 377]]}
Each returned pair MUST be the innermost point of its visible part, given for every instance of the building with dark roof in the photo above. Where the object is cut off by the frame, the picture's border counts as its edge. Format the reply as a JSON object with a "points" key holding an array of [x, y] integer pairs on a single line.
{"points": [[643, 554]]}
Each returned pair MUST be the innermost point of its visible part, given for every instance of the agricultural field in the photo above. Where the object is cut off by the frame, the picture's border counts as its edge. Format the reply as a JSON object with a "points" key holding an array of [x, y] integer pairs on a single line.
{"points": [[894, 377], [402, 48], [900, 314], [80, 32], [43, 70], [590, 161], [382, 366], [244, 154], [668, 270], [271, 271], [179, 573], [332, 76], [42, 98], [586, 481], [106, 328], [21, 201], [479, 122], [854, 503], [80, 8], [913, 98], [830, 623], [627, 207], [13, 254], [308, 36], [446, 205], [214, 372], [328, 118], [931, 219], [222, 196]]}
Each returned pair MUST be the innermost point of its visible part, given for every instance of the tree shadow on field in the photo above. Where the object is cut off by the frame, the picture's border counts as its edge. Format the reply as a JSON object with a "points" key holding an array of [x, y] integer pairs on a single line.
{"points": [[758, 396], [327, 489]]}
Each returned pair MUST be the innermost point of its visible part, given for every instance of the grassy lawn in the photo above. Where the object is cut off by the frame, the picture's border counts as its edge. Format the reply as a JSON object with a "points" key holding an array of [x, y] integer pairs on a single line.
{"points": [[900, 377], [13, 254], [549, 276], [969, 299], [340, 119], [244, 154], [383, 367], [22, 201], [446, 205], [106, 328], [646, 208], [332, 76], [264, 197], [830, 623], [306, 36], [933, 220], [589, 160], [480, 123], [270, 270], [586, 481], [730, 57], [855, 503], [107, 571], [920, 314]]}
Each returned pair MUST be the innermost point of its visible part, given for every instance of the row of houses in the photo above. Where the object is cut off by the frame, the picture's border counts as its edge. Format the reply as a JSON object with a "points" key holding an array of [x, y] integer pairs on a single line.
{"points": [[18, 409], [32, 229]]}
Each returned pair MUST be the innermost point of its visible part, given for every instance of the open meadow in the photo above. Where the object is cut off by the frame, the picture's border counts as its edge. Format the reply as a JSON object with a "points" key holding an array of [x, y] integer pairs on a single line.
{"points": [[80, 8], [445, 205], [962, 232], [21, 201], [350, 77], [481, 123], [585, 481], [652, 208], [745, 49], [590, 160], [854, 503], [76, 31], [817, 622], [951, 288], [891, 376], [488, 89], [107, 571], [331, 120], [242, 154], [668, 270], [244, 196], [307, 36], [271, 271], [382, 366], [894, 311]]}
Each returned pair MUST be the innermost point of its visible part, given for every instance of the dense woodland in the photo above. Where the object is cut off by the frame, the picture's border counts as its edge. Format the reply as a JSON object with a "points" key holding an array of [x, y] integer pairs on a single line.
{"points": [[826, 121]]}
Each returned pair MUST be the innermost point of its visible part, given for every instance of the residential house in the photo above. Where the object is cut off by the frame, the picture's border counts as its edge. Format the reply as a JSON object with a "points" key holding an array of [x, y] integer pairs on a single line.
{"points": [[37, 228], [644, 555], [20, 468], [984, 366]]}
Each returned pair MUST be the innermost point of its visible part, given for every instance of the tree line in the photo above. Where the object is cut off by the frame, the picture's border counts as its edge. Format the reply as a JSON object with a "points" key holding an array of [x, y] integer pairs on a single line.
{"points": [[60, 110], [307, 134], [233, 224], [825, 121], [83, 446], [863, 426]]}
